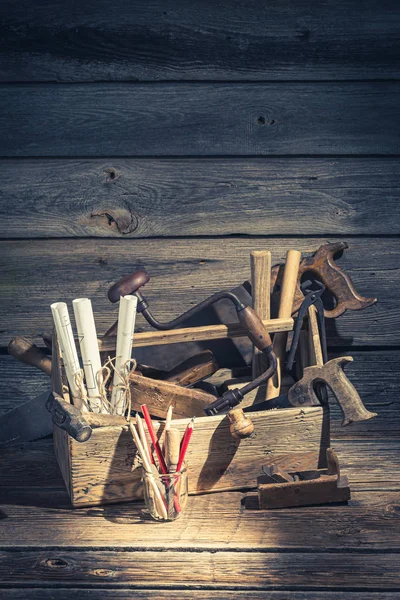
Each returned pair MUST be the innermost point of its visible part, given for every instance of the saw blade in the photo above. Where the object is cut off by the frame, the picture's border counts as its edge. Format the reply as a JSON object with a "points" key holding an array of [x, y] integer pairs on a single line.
{"points": [[28, 422], [279, 402]]}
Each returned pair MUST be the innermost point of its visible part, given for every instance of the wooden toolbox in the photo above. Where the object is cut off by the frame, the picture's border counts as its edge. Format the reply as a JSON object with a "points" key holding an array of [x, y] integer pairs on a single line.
{"points": [[106, 469]]}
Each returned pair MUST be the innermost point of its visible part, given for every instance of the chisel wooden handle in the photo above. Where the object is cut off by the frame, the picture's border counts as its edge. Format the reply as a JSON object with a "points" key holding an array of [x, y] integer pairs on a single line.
{"points": [[285, 310], [25, 350]]}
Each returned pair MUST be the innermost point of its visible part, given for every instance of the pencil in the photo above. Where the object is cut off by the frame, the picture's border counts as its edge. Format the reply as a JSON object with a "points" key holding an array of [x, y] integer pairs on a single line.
{"points": [[147, 466], [154, 439], [166, 428], [143, 439], [185, 443]]}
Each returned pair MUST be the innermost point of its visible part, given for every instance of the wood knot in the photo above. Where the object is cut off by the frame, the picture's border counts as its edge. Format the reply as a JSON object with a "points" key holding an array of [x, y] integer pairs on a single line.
{"points": [[103, 573], [391, 511], [55, 563], [120, 220]]}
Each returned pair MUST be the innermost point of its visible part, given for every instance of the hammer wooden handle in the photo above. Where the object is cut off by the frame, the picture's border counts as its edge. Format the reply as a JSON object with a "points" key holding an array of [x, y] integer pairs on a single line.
{"points": [[25, 350], [260, 261], [285, 310]]}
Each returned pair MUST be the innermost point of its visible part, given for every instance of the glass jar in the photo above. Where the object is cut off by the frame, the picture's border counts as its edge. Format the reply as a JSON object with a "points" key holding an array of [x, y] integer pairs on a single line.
{"points": [[165, 496]]}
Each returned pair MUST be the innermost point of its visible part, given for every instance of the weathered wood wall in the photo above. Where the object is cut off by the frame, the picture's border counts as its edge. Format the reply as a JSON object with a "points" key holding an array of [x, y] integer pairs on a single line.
{"points": [[179, 136]]}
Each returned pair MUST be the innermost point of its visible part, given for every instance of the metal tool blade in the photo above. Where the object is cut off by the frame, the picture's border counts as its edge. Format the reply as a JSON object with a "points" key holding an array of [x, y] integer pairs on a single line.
{"points": [[279, 402], [28, 422]]}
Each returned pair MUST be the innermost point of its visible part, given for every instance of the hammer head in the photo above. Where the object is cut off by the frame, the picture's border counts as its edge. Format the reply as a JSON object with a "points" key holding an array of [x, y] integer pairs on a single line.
{"points": [[127, 285]]}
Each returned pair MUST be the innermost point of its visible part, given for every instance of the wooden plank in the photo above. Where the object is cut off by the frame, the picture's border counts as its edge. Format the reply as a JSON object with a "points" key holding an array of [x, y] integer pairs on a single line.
{"points": [[141, 197], [369, 464], [32, 496], [188, 119], [257, 570], [106, 467], [183, 272], [194, 334], [196, 594], [157, 40]]}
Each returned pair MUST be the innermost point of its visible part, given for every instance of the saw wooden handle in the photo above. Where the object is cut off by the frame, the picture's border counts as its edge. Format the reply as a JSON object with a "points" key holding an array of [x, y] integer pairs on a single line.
{"points": [[302, 393], [26, 351]]}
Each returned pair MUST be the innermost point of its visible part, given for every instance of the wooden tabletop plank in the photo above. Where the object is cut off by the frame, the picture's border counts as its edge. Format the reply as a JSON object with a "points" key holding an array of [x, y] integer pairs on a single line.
{"points": [[162, 41], [198, 120], [195, 594], [41, 518], [141, 197], [255, 570], [183, 272]]}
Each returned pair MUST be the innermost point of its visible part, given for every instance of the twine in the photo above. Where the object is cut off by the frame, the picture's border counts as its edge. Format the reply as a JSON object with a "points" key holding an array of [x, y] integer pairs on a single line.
{"points": [[103, 377], [78, 380]]}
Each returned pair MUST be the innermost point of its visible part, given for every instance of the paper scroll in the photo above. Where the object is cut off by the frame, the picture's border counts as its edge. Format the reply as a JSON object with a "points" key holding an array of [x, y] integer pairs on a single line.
{"points": [[126, 328], [68, 349], [87, 336]]}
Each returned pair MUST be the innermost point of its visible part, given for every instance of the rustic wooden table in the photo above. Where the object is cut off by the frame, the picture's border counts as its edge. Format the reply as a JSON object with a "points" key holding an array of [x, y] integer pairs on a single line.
{"points": [[180, 136], [217, 548]]}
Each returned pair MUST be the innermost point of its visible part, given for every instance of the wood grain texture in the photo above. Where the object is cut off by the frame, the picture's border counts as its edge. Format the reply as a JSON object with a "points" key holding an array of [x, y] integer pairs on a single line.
{"points": [[370, 464], [204, 119], [43, 518], [157, 594], [141, 197], [183, 272], [156, 40], [106, 468], [257, 570]]}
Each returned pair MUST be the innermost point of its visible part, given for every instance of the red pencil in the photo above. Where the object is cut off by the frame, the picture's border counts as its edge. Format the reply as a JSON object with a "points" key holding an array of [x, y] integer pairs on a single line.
{"points": [[154, 439], [185, 443]]}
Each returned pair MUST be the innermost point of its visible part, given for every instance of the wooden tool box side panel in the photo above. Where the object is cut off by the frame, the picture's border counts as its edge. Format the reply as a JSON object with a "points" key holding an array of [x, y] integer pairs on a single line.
{"points": [[61, 442], [296, 439]]}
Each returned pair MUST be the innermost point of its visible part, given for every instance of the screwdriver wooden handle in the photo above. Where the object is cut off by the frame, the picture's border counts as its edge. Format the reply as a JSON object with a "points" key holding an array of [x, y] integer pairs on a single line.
{"points": [[26, 351], [173, 439]]}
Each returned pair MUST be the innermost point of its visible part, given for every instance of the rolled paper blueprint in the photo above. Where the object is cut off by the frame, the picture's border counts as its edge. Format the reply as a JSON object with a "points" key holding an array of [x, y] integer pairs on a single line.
{"points": [[68, 349], [126, 328], [87, 336]]}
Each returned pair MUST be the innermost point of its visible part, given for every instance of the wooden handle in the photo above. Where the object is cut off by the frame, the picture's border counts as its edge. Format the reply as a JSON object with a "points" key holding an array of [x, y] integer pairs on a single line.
{"points": [[255, 328], [289, 280], [193, 369], [285, 308], [303, 393], [241, 427], [193, 334], [173, 438], [260, 263], [314, 338], [26, 351]]}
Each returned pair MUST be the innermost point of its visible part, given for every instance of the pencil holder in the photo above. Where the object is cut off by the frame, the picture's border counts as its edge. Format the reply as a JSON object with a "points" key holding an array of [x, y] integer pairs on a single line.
{"points": [[165, 496]]}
